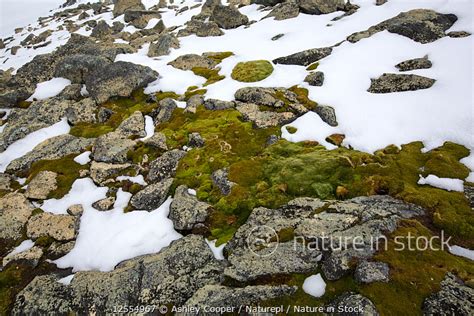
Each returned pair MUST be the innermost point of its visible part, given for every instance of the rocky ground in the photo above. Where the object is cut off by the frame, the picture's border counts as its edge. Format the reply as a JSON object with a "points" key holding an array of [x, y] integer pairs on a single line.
{"points": [[148, 148]]}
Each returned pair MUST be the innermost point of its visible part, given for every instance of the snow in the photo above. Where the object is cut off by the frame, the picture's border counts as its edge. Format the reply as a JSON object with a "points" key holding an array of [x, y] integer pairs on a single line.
{"points": [[149, 127], [107, 238], [314, 285], [462, 252], [217, 251], [83, 191], [84, 158], [137, 179], [26, 144], [66, 280], [442, 183], [25, 245], [192, 192], [48, 89]]}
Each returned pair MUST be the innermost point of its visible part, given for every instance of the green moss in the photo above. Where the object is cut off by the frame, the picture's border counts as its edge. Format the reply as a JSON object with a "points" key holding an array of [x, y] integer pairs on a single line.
{"points": [[23, 104], [168, 94], [36, 211], [313, 66], [194, 91], [291, 129], [219, 57], [211, 75], [142, 150], [44, 241], [302, 96], [66, 168], [252, 71]]}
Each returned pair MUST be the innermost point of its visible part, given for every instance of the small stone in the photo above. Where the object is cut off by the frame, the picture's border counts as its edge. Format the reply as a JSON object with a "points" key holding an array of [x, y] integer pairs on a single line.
{"points": [[75, 210], [458, 34], [315, 78], [327, 114], [195, 140], [220, 178], [368, 272], [165, 166], [59, 249], [158, 140], [104, 204], [193, 102], [186, 211], [354, 302], [272, 139], [412, 64], [164, 111], [14, 50], [152, 196], [336, 139], [277, 37], [228, 17]]}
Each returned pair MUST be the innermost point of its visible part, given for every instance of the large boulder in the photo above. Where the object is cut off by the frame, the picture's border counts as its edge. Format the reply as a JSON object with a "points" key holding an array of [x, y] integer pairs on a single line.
{"points": [[421, 25], [112, 148], [77, 67], [152, 196], [228, 17], [305, 57], [121, 6], [15, 210], [140, 18], [100, 172], [388, 83], [163, 44], [190, 61], [118, 79]]}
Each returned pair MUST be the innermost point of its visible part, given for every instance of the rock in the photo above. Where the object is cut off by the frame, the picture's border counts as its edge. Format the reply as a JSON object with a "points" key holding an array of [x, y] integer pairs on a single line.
{"points": [[454, 298], [164, 111], [368, 272], [165, 166], [104, 204], [320, 6], [216, 105], [327, 114], [58, 249], [215, 296], [101, 30], [30, 257], [71, 92], [458, 34], [132, 126], [280, 259], [75, 210], [112, 148], [78, 67], [315, 78], [388, 83], [220, 178], [41, 185], [59, 227], [277, 37], [353, 302], [193, 102], [140, 18], [190, 61], [195, 140], [186, 211], [163, 45], [104, 114], [101, 171], [421, 25], [5, 181], [158, 140], [263, 119], [52, 148], [412, 64], [304, 58], [263, 96], [152, 196], [336, 139], [284, 11], [380, 2], [15, 210], [272, 139], [201, 29], [228, 17], [14, 50], [117, 27], [169, 277], [121, 6], [118, 79], [83, 111]]}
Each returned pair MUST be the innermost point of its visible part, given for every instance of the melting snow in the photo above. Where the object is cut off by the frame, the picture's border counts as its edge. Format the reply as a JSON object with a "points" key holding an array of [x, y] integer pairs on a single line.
{"points": [[25, 245], [84, 158], [314, 285], [49, 89], [137, 179], [443, 183], [217, 251], [462, 252]]}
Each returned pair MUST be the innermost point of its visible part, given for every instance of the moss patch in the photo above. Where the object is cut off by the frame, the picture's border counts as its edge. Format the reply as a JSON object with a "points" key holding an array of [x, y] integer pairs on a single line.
{"points": [[313, 66], [252, 71], [211, 75]]}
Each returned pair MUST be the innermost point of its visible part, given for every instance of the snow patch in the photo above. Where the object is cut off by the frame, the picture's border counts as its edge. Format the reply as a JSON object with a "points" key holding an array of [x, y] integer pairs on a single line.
{"points": [[462, 252], [84, 158], [314, 285], [25, 245], [217, 251], [137, 179], [48, 89], [442, 183]]}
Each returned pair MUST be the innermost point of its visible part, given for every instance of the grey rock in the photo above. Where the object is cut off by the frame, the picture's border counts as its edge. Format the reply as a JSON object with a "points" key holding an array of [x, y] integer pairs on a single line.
{"points": [[83, 111], [368, 272], [215, 105], [217, 295], [263, 119], [186, 211], [354, 301], [121, 6], [53, 148], [30, 256], [228, 17], [272, 139], [327, 114], [263, 96], [59, 249], [101, 30], [100, 172], [388, 83], [193, 102], [71, 92], [75, 210], [104, 204], [164, 111], [201, 29], [78, 67], [41, 185], [458, 34], [158, 140], [117, 27], [220, 178], [315, 78], [112, 148], [195, 140], [169, 277], [104, 114], [5, 181], [190, 61], [152, 196], [132, 126], [15, 210], [140, 18], [277, 37], [454, 298], [320, 6], [284, 11], [163, 45], [304, 58], [412, 64], [165, 166], [421, 25], [118, 79], [59, 227]]}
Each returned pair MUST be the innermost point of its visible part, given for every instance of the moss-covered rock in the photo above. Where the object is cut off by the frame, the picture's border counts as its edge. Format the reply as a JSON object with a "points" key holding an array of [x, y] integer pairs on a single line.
{"points": [[252, 71]]}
